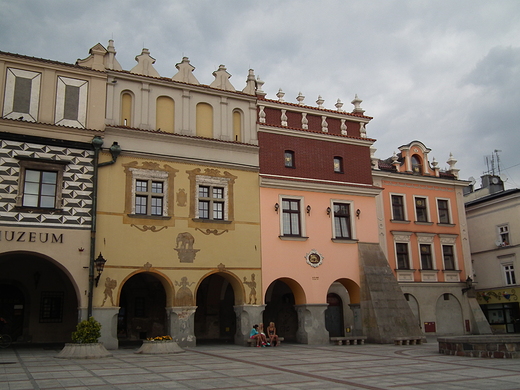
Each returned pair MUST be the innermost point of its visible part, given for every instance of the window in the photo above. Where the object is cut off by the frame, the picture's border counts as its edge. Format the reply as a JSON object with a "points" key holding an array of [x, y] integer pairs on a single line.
{"points": [[71, 102], [398, 208], [211, 202], [444, 211], [291, 217], [51, 306], [289, 159], [509, 272], [149, 197], [403, 258], [342, 225], [416, 164], [41, 184], [449, 257], [22, 94], [338, 164], [421, 210], [426, 256], [503, 232]]}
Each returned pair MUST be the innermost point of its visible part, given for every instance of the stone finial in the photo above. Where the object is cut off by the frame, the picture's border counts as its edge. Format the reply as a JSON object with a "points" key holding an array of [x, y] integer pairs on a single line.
{"points": [[435, 167], [343, 127], [300, 98], [362, 130], [185, 72], [280, 95], [222, 79], [357, 102], [395, 161], [374, 160], [110, 57], [145, 64], [305, 121], [250, 88], [259, 85], [324, 124], [451, 162], [339, 106], [283, 118], [320, 101]]}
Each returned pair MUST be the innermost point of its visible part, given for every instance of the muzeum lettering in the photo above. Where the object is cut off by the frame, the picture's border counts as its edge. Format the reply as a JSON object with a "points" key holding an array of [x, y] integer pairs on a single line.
{"points": [[11, 235]]}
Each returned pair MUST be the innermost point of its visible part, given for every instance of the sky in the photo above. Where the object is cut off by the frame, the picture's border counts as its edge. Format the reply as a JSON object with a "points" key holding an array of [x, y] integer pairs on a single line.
{"points": [[444, 72]]}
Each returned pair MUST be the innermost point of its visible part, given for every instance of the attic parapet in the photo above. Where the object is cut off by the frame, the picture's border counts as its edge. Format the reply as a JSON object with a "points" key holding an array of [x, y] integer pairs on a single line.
{"points": [[296, 116]]}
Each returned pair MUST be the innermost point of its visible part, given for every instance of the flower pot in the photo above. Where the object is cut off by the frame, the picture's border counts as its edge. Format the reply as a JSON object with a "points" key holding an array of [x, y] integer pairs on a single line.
{"points": [[83, 351], [159, 347]]}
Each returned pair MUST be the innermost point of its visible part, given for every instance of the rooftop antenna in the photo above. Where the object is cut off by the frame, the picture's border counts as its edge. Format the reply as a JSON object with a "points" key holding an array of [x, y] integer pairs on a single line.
{"points": [[498, 161]]}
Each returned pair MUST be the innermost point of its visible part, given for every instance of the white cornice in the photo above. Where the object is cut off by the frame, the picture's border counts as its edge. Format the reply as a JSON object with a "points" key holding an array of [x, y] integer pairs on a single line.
{"points": [[419, 179], [316, 136], [314, 185]]}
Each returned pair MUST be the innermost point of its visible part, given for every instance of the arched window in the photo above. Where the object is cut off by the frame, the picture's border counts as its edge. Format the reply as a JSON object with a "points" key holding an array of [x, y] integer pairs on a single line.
{"points": [[165, 114], [126, 109], [237, 126], [416, 164], [204, 120]]}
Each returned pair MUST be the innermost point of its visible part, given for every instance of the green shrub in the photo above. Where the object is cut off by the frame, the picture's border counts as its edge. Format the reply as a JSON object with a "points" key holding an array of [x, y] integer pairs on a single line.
{"points": [[87, 331]]}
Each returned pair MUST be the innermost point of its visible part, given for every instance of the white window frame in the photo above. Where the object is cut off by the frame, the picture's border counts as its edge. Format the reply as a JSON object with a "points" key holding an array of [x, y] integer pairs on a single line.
{"points": [[450, 218], [35, 77], [303, 228], [404, 207], [350, 204], [509, 269], [211, 181], [428, 212], [449, 240], [504, 229], [150, 175], [62, 83]]}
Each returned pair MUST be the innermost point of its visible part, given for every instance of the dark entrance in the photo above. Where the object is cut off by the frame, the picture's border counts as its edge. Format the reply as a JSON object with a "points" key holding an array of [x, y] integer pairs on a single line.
{"points": [[143, 308], [334, 315], [37, 299], [215, 318], [280, 309]]}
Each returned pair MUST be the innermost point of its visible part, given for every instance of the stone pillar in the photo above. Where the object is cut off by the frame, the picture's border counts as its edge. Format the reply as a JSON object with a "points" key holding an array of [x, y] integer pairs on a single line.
{"points": [[247, 316], [311, 324], [107, 317], [181, 324], [358, 321]]}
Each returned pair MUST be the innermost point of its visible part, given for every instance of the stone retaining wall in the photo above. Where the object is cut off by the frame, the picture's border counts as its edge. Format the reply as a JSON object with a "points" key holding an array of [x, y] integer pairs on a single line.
{"points": [[488, 346]]}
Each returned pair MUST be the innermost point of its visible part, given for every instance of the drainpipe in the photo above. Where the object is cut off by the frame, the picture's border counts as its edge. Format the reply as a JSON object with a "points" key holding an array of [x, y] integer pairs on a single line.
{"points": [[115, 150]]}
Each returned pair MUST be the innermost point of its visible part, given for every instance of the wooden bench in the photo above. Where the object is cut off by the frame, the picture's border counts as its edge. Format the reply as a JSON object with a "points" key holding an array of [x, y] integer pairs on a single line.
{"points": [[409, 340], [349, 340], [252, 342]]}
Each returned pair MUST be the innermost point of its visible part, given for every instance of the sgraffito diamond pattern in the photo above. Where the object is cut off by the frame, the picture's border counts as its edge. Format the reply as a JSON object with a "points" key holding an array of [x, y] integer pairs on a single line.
{"points": [[76, 191]]}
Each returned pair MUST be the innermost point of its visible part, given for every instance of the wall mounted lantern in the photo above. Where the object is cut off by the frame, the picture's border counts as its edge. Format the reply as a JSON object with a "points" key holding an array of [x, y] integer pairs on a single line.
{"points": [[99, 263]]}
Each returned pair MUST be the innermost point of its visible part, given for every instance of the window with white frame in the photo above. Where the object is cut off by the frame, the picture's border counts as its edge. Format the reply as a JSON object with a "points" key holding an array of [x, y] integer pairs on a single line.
{"points": [[421, 209], [402, 255], [448, 254], [41, 184], [212, 195], [503, 235], [149, 192], [22, 94], [71, 102], [443, 208], [342, 221], [509, 273], [291, 217], [426, 256], [398, 207]]}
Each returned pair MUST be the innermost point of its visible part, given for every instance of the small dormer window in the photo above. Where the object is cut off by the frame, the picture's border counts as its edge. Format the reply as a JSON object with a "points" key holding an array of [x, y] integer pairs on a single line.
{"points": [[416, 165]]}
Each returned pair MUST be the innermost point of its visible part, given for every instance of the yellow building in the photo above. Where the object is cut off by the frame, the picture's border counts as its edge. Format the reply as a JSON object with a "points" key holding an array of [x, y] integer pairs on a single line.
{"points": [[178, 211]]}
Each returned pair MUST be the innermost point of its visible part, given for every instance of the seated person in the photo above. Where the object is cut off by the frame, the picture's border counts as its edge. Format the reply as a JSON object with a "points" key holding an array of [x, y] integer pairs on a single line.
{"points": [[259, 337], [271, 334]]}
